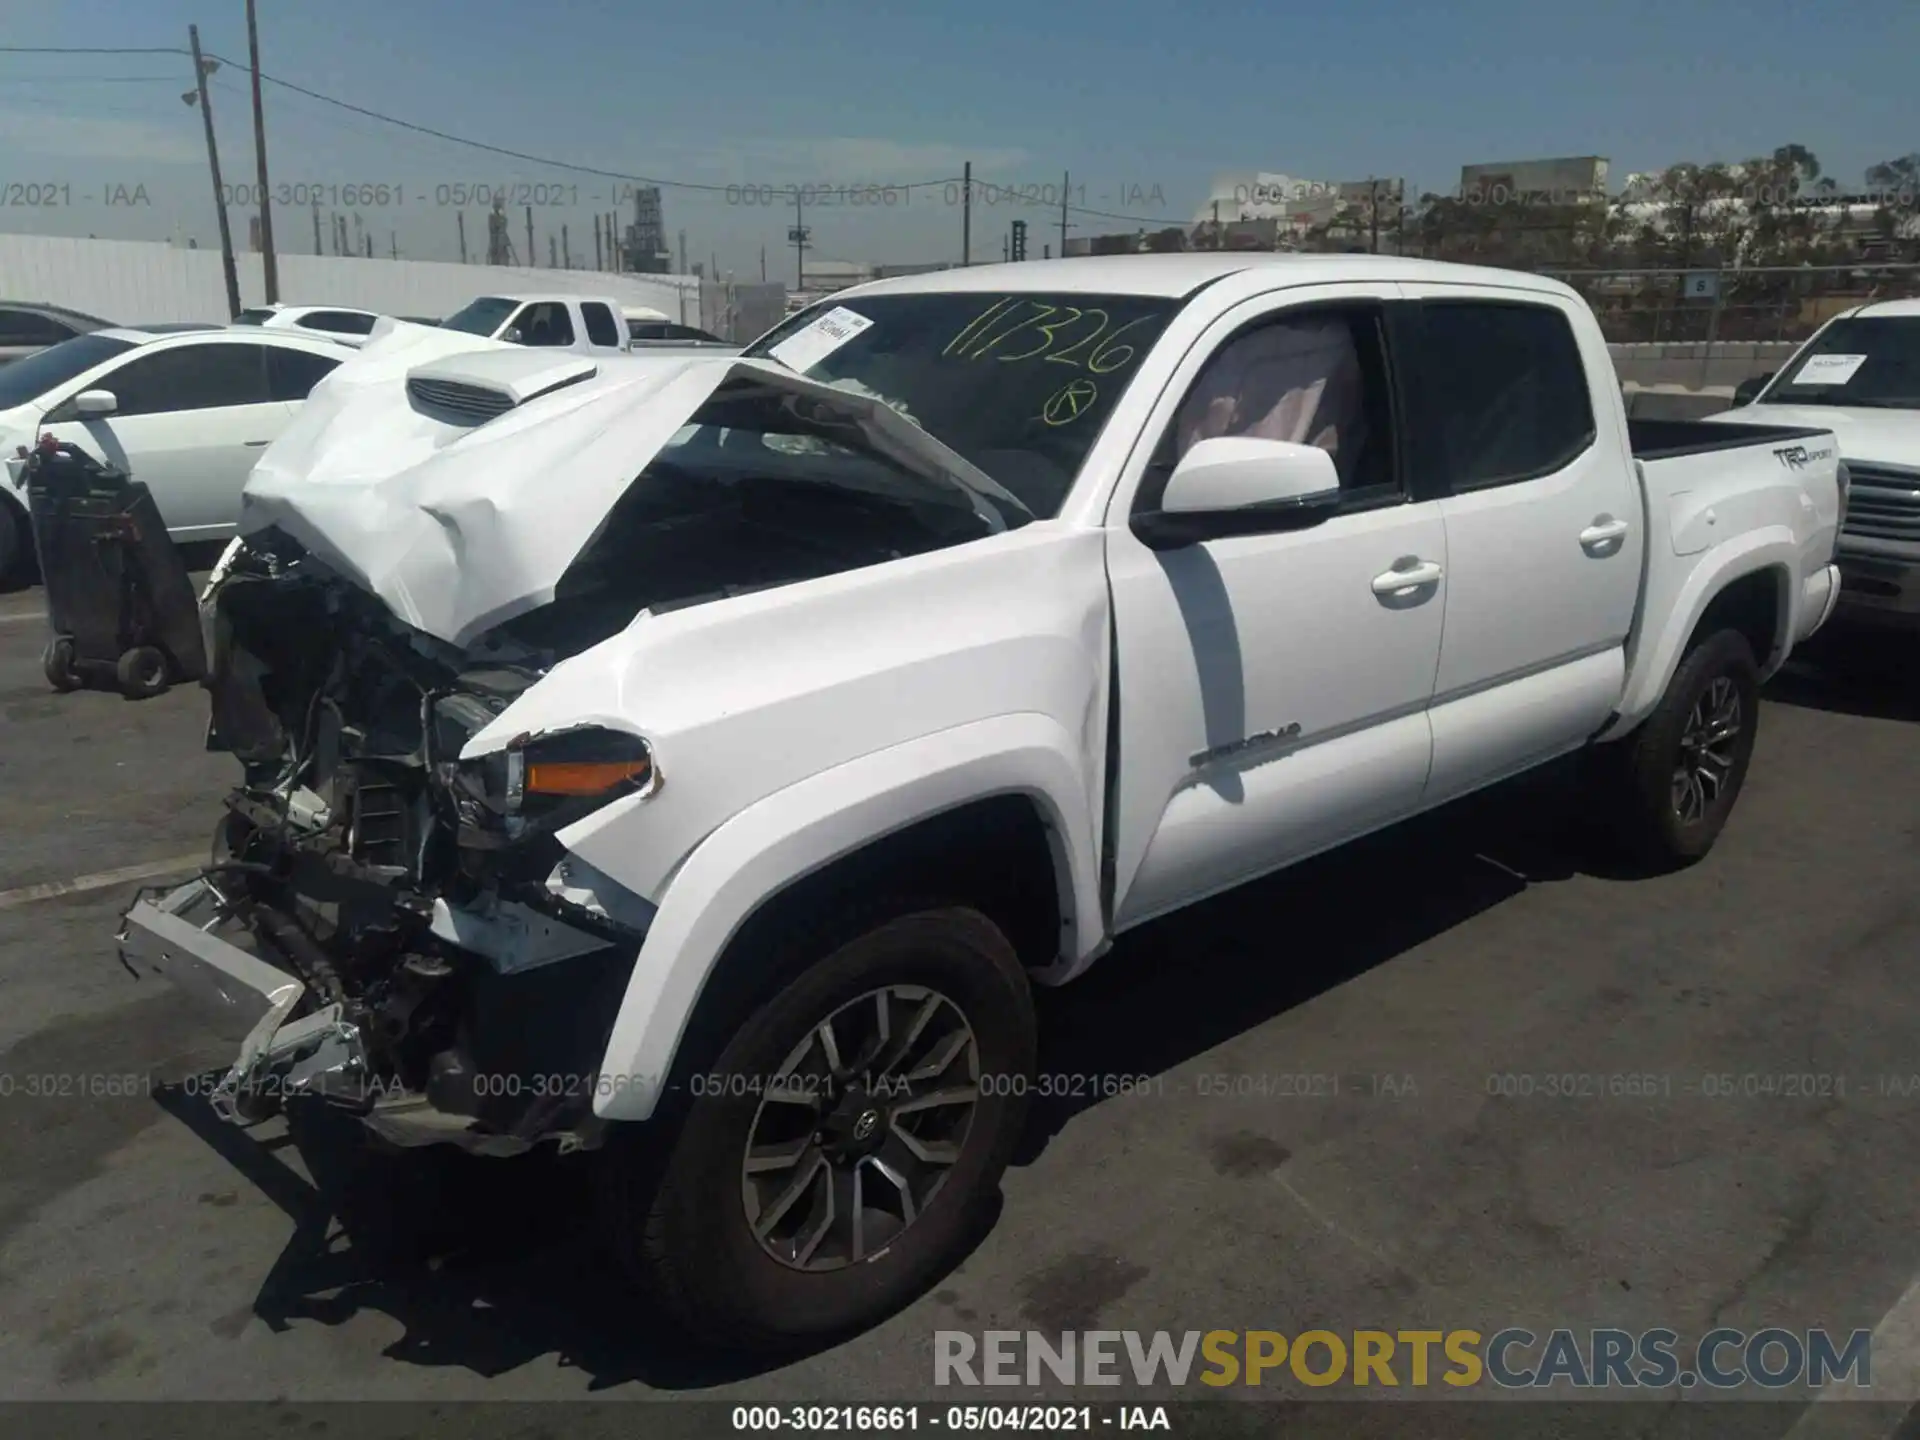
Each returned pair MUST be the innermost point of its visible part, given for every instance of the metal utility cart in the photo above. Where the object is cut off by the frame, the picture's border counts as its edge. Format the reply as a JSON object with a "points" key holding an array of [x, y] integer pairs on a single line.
{"points": [[119, 601]]}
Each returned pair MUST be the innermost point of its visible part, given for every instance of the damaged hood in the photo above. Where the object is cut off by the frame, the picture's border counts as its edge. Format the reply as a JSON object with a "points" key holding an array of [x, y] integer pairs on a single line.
{"points": [[457, 479]]}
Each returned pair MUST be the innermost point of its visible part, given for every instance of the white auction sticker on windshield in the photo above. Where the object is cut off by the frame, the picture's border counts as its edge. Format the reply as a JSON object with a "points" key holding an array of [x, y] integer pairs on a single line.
{"points": [[806, 348], [1829, 369]]}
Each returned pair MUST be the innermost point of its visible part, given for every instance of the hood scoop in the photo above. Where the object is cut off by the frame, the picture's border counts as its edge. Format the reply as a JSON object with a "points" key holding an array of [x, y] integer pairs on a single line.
{"points": [[471, 389]]}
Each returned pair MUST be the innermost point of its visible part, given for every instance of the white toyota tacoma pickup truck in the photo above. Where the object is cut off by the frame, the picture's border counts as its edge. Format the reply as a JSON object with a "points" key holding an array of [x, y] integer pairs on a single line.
{"points": [[699, 761]]}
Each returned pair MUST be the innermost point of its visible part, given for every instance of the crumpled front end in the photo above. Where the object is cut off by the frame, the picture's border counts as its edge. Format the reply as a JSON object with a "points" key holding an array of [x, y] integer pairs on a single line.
{"points": [[393, 924]]}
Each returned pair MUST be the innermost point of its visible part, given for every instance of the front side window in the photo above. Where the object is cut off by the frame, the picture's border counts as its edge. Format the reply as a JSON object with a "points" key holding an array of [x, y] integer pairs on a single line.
{"points": [[545, 324], [1867, 361], [1314, 377], [1020, 384], [189, 377]]}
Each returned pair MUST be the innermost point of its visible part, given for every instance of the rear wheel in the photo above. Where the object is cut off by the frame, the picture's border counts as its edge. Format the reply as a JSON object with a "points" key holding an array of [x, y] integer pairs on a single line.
{"points": [[836, 1156], [1680, 773]]}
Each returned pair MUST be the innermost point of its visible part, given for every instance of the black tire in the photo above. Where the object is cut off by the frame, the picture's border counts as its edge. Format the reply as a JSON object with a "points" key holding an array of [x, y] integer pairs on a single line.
{"points": [[679, 1222], [1660, 822], [142, 672], [57, 661]]}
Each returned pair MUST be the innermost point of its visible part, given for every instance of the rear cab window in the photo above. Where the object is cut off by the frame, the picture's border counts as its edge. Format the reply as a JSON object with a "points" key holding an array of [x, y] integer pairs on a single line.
{"points": [[601, 329]]}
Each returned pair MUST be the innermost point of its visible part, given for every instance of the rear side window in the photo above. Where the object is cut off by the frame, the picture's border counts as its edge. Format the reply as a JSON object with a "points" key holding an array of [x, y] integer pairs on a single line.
{"points": [[600, 327], [1501, 391], [293, 373], [648, 330], [340, 322], [24, 327]]}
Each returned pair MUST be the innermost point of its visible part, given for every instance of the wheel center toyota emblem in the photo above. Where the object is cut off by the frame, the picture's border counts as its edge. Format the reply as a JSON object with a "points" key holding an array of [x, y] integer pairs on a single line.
{"points": [[864, 1127]]}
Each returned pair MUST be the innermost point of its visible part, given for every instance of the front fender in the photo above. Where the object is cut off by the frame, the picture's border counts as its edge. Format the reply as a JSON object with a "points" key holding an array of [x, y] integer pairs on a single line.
{"points": [[1770, 548], [796, 831]]}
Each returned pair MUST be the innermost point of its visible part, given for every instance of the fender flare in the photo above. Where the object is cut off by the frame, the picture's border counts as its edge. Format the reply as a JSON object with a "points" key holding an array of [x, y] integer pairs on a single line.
{"points": [[1771, 548], [796, 831]]}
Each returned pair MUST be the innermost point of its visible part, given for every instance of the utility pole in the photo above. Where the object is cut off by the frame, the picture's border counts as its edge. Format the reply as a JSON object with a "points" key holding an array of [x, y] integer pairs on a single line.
{"points": [[260, 161], [799, 241], [683, 254], [532, 255], [393, 244], [1373, 217], [599, 255], [460, 219], [966, 214], [201, 69], [1065, 177], [566, 250], [366, 241], [553, 253], [318, 248], [763, 264]]}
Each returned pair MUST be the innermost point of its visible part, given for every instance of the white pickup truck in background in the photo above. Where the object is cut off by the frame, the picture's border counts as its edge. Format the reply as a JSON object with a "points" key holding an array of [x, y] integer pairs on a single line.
{"points": [[721, 750], [1859, 376], [587, 324]]}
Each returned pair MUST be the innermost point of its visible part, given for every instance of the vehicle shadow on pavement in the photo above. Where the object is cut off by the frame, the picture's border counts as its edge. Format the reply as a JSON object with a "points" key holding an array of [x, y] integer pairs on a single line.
{"points": [[1872, 674], [1154, 1002], [488, 1265]]}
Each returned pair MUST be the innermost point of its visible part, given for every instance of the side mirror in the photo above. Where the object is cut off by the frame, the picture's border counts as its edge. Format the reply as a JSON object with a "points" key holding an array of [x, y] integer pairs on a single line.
{"points": [[1748, 390], [95, 402], [513, 335], [1237, 485]]}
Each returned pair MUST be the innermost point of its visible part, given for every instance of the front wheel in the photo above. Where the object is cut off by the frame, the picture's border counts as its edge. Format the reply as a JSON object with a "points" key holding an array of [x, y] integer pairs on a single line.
{"points": [[1679, 774], [836, 1156], [57, 663]]}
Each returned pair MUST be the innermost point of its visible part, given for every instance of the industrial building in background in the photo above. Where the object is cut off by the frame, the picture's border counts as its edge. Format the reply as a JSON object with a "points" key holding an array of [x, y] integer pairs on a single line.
{"points": [[1581, 178]]}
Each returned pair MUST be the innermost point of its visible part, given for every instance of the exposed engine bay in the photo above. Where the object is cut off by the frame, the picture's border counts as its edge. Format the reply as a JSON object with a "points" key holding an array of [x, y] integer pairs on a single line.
{"points": [[459, 971]]}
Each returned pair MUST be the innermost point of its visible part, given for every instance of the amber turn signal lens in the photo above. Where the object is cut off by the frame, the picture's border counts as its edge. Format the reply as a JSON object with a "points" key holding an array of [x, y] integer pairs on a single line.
{"points": [[582, 777]]}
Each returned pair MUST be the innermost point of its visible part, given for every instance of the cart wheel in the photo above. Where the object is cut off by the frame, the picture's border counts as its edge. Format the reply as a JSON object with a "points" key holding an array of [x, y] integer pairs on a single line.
{"points": [[57, 661], [142, 672]]}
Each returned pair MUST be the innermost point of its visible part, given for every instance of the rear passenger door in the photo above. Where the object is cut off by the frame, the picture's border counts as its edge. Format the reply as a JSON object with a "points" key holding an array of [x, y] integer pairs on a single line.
{"points": [[1545, 534]]}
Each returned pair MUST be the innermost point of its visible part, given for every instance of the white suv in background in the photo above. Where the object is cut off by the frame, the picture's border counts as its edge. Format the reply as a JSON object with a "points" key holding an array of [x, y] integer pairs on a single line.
{"points": [[185, 408], [334, 322]]}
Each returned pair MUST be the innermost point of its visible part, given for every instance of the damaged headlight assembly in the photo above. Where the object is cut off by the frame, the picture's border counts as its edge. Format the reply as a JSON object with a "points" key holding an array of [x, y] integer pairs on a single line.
{"points": [[540, 784]]}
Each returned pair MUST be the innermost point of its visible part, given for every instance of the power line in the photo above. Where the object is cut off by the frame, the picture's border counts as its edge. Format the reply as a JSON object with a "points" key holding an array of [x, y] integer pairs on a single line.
{"points": [[522, 155]]}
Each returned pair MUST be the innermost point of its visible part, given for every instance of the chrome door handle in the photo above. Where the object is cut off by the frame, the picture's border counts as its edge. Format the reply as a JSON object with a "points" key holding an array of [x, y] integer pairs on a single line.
{"points": [[1603, 532], [1405, 582]]}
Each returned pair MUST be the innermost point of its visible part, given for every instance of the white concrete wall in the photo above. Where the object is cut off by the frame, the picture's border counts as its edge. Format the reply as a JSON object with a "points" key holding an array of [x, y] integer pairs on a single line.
{"points": [[145, 282]]}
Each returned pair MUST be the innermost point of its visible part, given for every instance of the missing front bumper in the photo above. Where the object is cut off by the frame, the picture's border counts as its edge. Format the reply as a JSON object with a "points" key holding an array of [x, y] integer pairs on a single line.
{"points": [[319, 1054]]}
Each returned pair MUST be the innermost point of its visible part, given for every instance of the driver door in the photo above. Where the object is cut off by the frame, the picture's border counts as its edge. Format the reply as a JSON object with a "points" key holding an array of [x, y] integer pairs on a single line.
{"points": [[1273, 689]]}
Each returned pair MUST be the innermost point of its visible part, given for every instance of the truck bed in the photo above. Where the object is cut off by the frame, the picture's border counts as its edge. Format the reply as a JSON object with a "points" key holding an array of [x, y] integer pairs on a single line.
{"points": [[1669, 439]]}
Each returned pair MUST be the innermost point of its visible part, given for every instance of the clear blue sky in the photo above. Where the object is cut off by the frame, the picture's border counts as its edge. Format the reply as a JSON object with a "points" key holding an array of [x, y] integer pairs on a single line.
{"points": [[1141, 102]]}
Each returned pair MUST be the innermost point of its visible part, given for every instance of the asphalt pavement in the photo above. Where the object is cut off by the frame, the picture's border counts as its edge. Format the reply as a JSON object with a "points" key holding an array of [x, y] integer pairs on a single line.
{"points": [[1434, 978]]}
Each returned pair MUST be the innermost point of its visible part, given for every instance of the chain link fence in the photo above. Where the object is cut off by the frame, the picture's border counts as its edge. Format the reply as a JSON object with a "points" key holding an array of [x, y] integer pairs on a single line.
{"points": [[1760, 305]]}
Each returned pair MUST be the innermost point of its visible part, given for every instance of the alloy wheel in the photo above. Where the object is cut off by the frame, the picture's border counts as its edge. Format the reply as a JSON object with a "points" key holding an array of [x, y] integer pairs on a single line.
{"points": [[1708, 746], [859, 1127]]}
